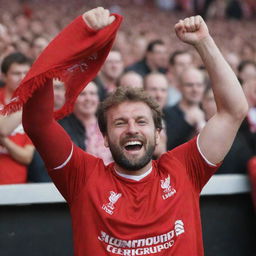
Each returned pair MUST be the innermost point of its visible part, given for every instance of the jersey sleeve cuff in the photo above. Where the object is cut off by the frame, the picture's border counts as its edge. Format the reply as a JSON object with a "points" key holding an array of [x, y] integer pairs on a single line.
{"points": [[203, 156], [67, 160]]}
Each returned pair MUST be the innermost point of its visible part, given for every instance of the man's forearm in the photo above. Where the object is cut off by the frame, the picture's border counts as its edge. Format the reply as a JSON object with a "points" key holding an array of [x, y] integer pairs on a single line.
{"points": [[227, 90]]}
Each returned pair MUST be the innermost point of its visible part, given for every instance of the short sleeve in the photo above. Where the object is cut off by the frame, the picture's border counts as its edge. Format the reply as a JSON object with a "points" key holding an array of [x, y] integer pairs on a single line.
{"points": [[198, 170], [72, 177]]}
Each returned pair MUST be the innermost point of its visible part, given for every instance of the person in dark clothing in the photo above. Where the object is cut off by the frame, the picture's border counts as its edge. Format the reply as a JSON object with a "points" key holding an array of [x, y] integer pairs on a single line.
{"points": [[76, 130], [236, 160], [155, 59], [185, 119]]}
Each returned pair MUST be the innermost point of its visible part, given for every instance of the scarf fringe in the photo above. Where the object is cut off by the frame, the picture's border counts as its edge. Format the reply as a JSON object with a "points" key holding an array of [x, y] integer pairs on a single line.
{"points": [[27, 89]]}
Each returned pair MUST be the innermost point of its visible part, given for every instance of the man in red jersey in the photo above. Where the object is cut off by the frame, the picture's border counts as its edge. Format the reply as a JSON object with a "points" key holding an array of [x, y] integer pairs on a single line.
{"points": [[136, 206]]}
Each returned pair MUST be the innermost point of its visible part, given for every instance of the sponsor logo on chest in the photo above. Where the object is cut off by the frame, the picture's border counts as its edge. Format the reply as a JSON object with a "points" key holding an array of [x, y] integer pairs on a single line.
{"points": [[168, 190]]}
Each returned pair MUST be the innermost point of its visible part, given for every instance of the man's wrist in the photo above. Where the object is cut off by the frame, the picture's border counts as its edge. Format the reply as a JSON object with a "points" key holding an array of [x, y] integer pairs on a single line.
{"points": [[208, 40]]}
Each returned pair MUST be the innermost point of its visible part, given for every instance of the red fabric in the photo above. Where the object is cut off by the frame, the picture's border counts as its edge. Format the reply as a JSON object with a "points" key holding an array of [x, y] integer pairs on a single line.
{"points": [[252, 175], [11, 171], [148, 218], [49, 138], [74, 56]]}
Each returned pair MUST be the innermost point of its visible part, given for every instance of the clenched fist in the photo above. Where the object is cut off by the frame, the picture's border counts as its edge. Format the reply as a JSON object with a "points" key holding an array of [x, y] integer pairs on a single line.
{"points": [[98, 18], [191, 30]]}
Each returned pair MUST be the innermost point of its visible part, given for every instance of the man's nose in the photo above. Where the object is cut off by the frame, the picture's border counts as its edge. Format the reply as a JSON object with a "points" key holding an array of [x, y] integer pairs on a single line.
{"points": [[132, 128]]}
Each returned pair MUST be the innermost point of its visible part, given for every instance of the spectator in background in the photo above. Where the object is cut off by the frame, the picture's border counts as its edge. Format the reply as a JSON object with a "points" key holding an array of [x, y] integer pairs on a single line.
{"points": [[16, 149], [237, 158], [246, 70], [179, 60], [186, 119], [156, 85], [59, 93], [110, 73], [37, 46], [233, 60], [154, 60], [85, 110], [131, 79], [138, 48], [248, 127]]}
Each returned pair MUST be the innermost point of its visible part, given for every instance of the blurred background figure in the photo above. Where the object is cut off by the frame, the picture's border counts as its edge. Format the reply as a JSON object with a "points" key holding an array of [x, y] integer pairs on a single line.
{"points": [[156, 85], [16, 149], [109, 74], [186, 119], [178, 61], [59, 93], [131, 79], [154, 60], [85, 110], [246, 70], [236, 160], [37, 46]]}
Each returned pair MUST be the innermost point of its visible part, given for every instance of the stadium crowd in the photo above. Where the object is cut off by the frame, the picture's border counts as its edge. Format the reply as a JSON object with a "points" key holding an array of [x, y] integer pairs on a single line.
{"points": [[145, 55]]}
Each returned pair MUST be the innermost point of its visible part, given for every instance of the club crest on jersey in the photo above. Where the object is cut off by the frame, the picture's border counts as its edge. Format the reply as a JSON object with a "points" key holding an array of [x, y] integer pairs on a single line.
{"points": [[110, 206], [168, 191]]}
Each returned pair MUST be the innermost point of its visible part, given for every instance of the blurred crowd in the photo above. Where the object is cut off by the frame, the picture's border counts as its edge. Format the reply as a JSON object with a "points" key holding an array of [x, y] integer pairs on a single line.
{"points": [[147, 55]]}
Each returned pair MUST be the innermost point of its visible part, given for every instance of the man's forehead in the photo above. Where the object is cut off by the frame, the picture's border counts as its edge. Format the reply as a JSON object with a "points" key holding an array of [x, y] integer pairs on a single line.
{"points": [[129, 109]]}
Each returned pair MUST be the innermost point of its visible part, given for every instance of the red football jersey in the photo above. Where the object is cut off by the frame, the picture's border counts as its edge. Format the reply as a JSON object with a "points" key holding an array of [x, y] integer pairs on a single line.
{"points": [[158, 215]]}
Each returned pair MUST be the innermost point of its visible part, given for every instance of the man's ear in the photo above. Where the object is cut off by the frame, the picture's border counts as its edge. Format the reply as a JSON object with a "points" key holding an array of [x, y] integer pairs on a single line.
{"points": [[158, 131], [106, 141]]}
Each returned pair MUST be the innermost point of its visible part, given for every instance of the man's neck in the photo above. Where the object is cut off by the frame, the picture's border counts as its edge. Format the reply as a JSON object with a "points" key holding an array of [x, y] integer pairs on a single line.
{"points": [[139, 172]]}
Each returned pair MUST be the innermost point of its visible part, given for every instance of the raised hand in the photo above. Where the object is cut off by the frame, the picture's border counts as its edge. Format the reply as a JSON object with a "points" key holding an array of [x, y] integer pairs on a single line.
{"points": [[191, 30], [98, 18]]}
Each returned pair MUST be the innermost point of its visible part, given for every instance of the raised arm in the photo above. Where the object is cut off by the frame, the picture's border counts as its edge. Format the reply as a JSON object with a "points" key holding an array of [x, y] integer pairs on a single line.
{"points": [[218, 135], [50, 139]]}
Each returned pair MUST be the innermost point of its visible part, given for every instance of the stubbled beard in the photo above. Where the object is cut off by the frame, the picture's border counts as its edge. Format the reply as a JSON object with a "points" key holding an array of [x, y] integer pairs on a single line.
{"points": [[131, 165]]}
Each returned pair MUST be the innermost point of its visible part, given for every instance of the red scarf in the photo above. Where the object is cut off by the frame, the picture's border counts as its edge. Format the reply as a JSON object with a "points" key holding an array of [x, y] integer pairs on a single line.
{"points": [[74, 57]]}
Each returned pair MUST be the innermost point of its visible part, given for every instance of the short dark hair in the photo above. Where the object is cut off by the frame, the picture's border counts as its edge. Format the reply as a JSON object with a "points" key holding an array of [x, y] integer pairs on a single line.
{"points": [[16, 57], [152, 44], [132, 95], [244, 63], [175, 54]]}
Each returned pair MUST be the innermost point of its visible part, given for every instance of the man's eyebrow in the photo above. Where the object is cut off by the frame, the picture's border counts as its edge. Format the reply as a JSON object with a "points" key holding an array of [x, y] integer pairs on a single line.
{"points": [[119, 118]]}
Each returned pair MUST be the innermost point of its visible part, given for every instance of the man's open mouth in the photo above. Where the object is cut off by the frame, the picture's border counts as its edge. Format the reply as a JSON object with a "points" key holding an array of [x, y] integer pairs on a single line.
{"points": [[133, 145]]}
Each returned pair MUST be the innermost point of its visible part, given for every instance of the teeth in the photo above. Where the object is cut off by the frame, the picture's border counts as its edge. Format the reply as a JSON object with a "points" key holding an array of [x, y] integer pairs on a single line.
{"points": [[132, 143]]}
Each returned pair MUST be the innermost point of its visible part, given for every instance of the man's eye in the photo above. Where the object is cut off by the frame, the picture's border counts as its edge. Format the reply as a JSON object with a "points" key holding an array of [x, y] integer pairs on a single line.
{"points": [[119, 123], [142, 122]]}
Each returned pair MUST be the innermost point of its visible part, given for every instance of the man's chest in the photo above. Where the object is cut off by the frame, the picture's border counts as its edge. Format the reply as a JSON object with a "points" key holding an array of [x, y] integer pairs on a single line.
{"points": [[126, 218]]}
